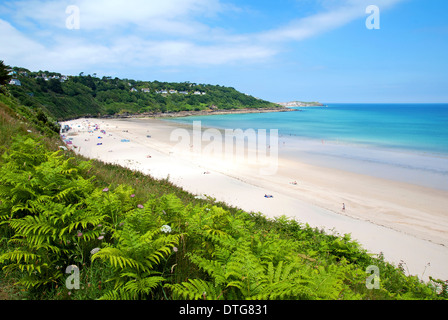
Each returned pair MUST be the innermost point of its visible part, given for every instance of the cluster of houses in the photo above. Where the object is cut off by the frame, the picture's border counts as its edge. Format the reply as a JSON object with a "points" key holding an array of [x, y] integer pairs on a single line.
{"points": [[147, 90], [63, 78], [16, 82], [48, 78]]}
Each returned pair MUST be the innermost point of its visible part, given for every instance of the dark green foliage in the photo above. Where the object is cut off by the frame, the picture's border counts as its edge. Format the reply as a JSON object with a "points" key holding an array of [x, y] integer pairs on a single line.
{"points": [[42, 206], [55, 86], [240, 262], [140, 247], [91, 96], [4, 74]]}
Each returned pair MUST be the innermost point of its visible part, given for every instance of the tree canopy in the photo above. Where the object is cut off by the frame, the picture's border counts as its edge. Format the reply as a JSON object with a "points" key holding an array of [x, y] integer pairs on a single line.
{"points": [[4, 73]]}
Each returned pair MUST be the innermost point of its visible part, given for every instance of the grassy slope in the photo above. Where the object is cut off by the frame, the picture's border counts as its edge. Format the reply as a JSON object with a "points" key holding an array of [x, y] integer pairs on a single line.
{"points": [[316, 248]]}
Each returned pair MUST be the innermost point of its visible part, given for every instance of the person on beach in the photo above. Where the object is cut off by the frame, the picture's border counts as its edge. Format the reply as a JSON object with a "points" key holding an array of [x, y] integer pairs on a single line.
{"points": [[343, 207]]}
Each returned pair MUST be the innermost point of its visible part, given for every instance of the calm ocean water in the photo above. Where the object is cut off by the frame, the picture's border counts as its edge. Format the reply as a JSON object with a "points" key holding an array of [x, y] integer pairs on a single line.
{"points": [[419, 127], [408, 142]]}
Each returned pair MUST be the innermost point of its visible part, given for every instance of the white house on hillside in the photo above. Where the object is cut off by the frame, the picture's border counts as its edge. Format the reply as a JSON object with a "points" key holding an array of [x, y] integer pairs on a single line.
{"points": [[15, 82]]}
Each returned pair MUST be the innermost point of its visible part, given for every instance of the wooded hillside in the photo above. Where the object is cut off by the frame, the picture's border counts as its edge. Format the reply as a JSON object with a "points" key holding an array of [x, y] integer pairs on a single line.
{"points": [[66, 97]]}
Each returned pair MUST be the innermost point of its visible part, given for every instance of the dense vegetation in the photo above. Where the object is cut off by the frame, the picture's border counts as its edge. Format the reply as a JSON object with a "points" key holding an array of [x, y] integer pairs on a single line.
{"points": [[83, 95], [133, 237]]}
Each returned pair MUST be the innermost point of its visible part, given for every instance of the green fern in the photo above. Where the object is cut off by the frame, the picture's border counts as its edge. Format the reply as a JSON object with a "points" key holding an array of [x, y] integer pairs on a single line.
{"points": [[136, 288], [118, 259], [285, 281], [143, 285], [135, 256], [119, 294], [42, 208], [196, 289], [253, 266]]}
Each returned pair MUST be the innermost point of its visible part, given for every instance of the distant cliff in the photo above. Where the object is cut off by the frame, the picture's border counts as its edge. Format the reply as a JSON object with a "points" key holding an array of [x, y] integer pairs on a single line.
{"points": [[300, 104]]}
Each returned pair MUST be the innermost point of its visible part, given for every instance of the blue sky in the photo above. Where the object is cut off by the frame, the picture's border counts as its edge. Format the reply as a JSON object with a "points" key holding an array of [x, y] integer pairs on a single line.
{"points": [[311, 50]]}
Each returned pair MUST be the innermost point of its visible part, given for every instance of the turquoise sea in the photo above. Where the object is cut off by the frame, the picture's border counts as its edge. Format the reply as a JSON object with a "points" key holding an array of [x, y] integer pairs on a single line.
{"points": [[406, 142]]}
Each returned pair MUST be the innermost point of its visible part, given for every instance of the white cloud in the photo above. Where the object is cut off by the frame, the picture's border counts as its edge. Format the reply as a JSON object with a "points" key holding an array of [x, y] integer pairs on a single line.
{"points": [[115, 14], [75, 53], [66, 54], [16, 46], [178, 53], [339, 14], [148, 33]]}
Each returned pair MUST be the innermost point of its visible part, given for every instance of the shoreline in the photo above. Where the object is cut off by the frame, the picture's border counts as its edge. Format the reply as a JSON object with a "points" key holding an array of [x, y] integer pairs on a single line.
{"points": [[209, 112], [380, 213]]}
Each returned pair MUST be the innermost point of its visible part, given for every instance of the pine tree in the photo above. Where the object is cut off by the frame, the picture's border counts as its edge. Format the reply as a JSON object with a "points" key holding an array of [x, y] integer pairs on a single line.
{"points": [[4, 73]]}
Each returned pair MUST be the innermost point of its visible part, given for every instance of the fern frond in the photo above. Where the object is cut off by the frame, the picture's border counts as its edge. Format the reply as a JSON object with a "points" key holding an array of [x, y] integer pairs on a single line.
{"points": [[145, 286], [116, 295], [285, 281], [33, 282], [19, 256], [195, 289], [137, 288], [117, 258], [213, 268]]}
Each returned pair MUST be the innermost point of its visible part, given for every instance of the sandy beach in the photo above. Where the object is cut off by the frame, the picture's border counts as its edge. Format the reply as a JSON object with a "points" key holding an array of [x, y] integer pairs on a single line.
{"points": [[406, 222]]}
